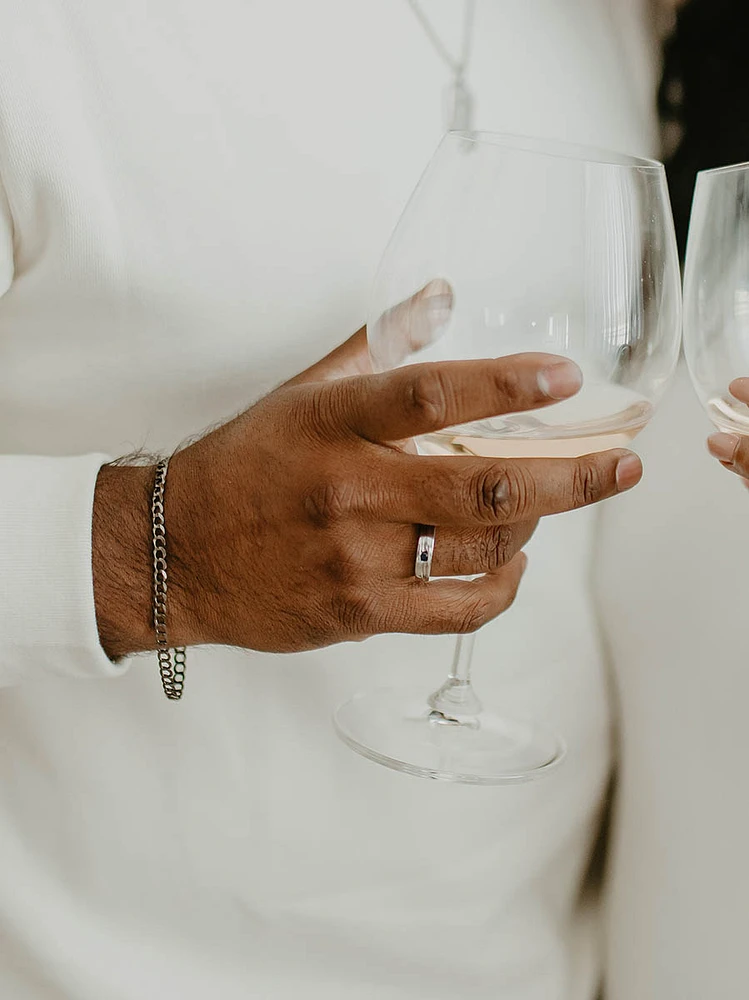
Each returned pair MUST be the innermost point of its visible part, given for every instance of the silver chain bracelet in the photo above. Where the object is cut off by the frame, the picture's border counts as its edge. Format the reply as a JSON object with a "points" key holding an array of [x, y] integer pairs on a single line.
{"points": [[172, 672]]}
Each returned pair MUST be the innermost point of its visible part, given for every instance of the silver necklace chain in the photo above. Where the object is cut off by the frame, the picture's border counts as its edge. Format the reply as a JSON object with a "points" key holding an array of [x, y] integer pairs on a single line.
{"points": [[458, 66], [458, 111]]}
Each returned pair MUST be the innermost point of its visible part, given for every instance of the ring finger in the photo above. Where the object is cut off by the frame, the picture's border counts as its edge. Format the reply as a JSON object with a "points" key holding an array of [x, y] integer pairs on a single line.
{"points": [[457, 551]]}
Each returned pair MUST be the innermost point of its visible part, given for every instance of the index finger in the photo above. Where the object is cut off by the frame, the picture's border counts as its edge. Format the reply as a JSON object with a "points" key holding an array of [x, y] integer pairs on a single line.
{"points": [[420, 399]]}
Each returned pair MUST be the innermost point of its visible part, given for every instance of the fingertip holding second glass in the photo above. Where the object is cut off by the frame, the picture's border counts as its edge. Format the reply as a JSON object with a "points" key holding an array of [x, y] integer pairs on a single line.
{"points": [[722, 445]]}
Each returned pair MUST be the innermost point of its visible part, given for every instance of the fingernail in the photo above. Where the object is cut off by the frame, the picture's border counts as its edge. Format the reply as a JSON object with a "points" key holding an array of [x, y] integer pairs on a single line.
{"points": [[740, 389], [436, 298], [439, 309], [561, 380], [628, 472], [723, 446]]}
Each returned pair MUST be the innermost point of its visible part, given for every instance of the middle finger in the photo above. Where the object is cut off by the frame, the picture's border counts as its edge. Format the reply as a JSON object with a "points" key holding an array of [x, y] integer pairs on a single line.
{"points": [[465, 492]]}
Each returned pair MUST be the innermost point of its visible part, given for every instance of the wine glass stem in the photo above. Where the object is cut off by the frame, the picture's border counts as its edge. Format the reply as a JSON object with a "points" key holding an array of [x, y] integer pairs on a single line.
{"points": [[456, 698], [461, 668]]}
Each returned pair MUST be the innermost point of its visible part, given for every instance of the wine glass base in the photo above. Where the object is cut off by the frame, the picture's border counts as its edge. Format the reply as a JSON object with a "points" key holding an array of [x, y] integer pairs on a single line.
{"points": [[399, 730]]}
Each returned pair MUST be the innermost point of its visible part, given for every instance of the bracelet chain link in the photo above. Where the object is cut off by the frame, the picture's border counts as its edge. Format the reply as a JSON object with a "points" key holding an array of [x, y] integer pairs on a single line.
{"points": [[172, 670]]}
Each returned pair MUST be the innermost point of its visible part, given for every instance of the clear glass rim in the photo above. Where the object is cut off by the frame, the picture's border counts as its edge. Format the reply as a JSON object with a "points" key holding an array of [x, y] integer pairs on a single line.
{"points": [[729, 168], [559, 149]]}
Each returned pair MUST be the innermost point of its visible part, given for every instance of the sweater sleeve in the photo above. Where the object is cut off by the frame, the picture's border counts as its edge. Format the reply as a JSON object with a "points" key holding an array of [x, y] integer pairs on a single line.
{"points": [[47, 616]]}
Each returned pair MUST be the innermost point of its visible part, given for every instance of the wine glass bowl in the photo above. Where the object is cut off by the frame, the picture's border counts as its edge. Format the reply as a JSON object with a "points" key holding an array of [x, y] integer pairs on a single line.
{"points": [[546, 247], [716, 293], [511, 245]]}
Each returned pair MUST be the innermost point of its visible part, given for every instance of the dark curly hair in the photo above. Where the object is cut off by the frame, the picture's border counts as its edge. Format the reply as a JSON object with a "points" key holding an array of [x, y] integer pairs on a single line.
{"points": [[705, 92]]}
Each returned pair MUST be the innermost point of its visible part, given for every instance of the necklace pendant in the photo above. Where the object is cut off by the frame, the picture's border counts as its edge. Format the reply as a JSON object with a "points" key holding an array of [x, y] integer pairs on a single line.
{"points": [[458, 107]]}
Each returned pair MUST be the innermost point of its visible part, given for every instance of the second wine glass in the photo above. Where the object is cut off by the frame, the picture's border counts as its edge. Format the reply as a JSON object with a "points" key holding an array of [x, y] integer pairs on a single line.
{"points": [[716, 293], [522, 245]]}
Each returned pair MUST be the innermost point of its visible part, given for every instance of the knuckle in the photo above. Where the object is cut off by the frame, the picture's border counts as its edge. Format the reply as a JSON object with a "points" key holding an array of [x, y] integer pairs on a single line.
{"points": [[326, 409], [309, 409], [427, 397], [490, 495], [588, 483], [329, 501], [503, 494]]}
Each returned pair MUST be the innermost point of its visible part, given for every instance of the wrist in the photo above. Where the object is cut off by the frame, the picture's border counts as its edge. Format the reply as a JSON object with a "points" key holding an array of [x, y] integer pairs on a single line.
{"points": [[121, 559]]}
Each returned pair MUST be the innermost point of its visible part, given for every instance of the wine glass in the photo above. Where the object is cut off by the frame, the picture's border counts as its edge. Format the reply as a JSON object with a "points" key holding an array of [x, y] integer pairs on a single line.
{"points": [[534, 246], [716, 293]]}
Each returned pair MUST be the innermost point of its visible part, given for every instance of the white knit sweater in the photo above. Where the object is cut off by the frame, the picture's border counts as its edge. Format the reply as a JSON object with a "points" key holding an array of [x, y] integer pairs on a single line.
{"points": [[195, 198]]}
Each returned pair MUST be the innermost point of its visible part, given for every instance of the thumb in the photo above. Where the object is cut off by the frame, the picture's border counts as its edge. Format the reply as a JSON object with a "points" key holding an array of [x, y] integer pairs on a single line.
{"points": [[411, 325], [402, 330], [349, 358]]}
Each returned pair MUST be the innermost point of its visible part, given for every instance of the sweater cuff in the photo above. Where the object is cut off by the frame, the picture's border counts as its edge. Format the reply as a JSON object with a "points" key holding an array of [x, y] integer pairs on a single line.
{"points": [[47, 613]]}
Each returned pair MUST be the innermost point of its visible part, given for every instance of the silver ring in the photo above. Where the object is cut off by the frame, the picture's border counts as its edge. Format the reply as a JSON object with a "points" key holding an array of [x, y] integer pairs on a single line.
{"points": [[424, 552]]}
